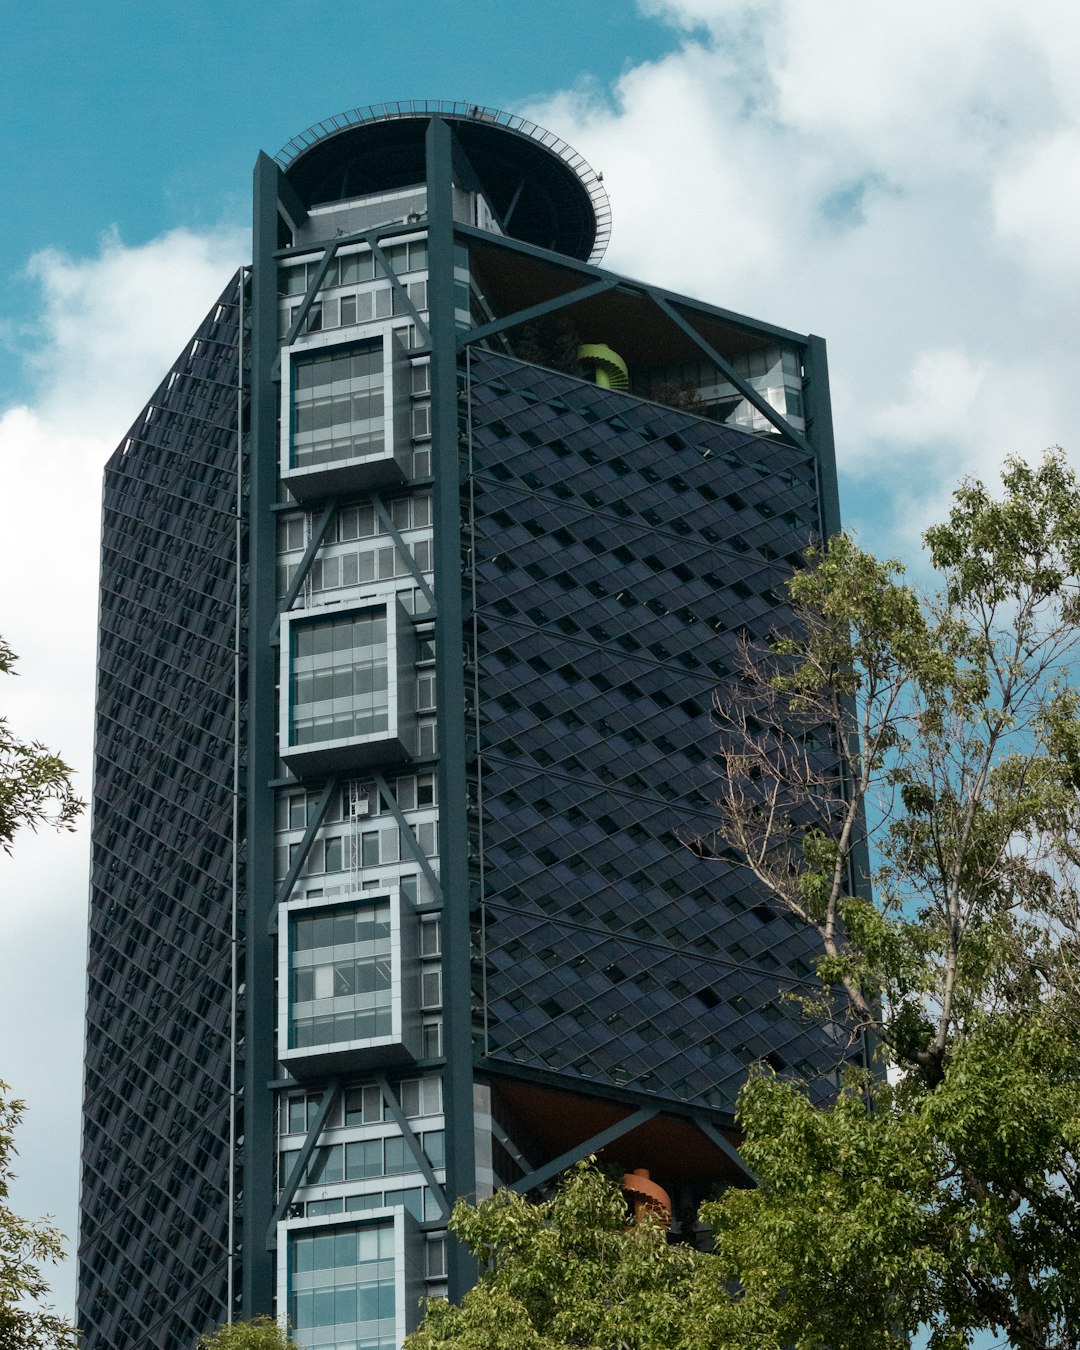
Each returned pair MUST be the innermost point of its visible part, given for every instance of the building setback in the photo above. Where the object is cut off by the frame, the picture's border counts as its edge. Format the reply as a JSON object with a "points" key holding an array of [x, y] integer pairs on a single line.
{"points": [[418, 571]]}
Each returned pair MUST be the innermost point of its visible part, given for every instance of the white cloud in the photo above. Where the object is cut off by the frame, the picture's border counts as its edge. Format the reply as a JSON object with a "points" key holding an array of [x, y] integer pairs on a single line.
{"points": [[112, 325], [108, 328], [903, 182], [1036, 204]]}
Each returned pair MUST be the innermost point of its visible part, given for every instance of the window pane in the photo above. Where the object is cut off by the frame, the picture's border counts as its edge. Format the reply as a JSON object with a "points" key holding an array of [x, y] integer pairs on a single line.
{"points": [[340, 982]]}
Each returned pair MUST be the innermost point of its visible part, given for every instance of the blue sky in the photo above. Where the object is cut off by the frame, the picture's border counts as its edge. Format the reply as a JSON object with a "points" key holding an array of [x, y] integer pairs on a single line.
{"points": [[906, 183]]}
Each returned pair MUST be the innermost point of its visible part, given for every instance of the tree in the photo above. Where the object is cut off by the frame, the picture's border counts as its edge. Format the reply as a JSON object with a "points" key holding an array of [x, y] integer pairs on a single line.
{"points": [[573, 1271], [261, 1333], [35, 789], [25, 1245], [35, 786], [939, 734]]}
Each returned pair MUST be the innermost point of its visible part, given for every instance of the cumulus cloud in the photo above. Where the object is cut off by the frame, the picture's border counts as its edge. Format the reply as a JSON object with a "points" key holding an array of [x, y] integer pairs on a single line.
{"points": [[904, 183], [107, 328]]}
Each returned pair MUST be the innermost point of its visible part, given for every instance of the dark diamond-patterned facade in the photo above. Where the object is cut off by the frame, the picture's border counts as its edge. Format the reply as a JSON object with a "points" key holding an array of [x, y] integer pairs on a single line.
{"points": [[621, 550], [154, 1238]]}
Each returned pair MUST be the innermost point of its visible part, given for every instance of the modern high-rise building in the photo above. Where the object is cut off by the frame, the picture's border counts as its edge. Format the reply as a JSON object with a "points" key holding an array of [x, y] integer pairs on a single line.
{"points": [[418, 572]]}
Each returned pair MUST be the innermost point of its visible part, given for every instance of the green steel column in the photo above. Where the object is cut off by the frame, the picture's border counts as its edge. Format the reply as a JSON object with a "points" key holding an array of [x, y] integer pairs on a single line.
{"points": [[819, 431], [260, 1010], [450, 682]]}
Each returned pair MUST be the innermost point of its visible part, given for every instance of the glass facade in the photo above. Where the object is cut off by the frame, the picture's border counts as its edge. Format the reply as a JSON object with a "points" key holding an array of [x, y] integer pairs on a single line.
{"points": [[337, 408], [342, 1286], [344, 911], [339, 682], [154, 1235], [340, 979]]}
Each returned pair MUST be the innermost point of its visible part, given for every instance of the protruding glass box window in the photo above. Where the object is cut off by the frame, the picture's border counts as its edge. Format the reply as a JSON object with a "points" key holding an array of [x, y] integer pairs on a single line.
{"points": [[346, 417], [340, 983], [349, 985], [337, 407], [356, 1286], [348, 687]]}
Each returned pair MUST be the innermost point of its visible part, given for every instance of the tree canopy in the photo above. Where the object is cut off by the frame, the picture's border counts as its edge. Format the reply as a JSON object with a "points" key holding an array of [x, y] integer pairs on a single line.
{"points": [[35, 789], [261, 1333], [937, 734], [35, 785], [25, 1246], [933, 739], [573, 1271]]}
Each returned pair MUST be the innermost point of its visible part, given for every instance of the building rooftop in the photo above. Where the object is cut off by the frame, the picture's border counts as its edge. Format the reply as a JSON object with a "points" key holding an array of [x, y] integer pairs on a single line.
{"points": [[542, 190]]}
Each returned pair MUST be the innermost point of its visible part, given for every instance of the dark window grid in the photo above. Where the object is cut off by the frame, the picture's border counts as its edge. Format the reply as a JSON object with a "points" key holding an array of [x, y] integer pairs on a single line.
{"points": [[716, 556], [709, 441], [706, 522], [493, 372], [174, 1012], [600, 947]]}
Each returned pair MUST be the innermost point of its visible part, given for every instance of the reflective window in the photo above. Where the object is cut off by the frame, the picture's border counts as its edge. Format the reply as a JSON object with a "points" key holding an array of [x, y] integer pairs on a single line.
{"points": [[338, 406], [341, 1292], [340, 975], [339, 681]]}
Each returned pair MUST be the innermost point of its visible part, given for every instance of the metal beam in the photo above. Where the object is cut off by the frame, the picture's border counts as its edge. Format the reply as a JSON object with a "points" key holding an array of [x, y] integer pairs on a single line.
{"points": [[746, 389], [403, 551], [579, 1151], [449, 669], [309, 557], [412, 1143], [260, 966], [583, 269], [300, 1162], [418, 855], [727, 1147], [314, 821], [314, 286], [513, 203], [536, 311], [388, 230], [400, 290]]}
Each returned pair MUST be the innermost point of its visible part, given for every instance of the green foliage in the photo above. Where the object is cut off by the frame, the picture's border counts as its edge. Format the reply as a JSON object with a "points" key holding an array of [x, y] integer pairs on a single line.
{"points": [[939, 737], [25, 1245], [573, 1272], [35, 786], [261, 1333]]}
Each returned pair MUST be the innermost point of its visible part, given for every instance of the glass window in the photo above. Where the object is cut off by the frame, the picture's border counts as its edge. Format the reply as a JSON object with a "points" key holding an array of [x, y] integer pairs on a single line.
{"points": [[363, 1159], [431, 936], [337, 408], [324, 1166], [433, 1038], [425, 738], [356, 522], [340, 975], [397, 1157], [339, 682], [363, 1105], [435, 1147], [341, 1288], [291, 533], [431, 987], [356, 267]]}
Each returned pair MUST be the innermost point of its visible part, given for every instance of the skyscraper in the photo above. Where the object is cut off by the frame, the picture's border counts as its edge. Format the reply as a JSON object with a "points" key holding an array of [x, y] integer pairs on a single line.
{"points": [[418, 571]]}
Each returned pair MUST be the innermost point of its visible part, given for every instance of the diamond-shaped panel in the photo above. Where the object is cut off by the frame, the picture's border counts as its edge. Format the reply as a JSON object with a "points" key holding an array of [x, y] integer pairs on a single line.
{"points": [[154, 1213], [621, 551]]}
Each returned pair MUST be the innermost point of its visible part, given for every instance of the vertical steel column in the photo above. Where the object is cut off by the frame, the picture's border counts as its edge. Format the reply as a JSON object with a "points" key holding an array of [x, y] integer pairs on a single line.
{"points": [[260, 1010], [819, 432], [450, 681]]}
